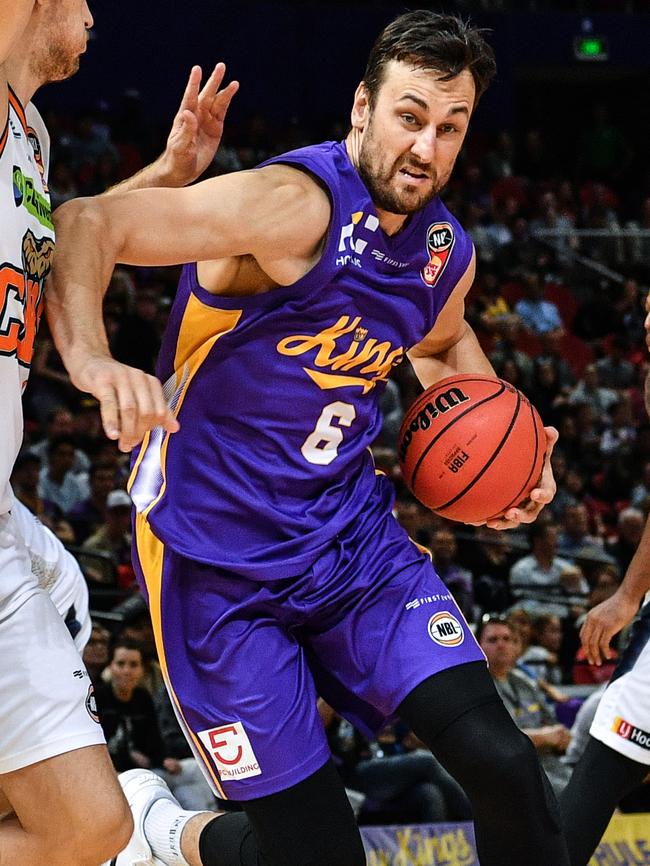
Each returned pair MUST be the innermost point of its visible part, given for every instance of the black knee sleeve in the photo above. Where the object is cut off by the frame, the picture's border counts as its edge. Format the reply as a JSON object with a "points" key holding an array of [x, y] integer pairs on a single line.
{"points": [[310, 824], [462, 719]]}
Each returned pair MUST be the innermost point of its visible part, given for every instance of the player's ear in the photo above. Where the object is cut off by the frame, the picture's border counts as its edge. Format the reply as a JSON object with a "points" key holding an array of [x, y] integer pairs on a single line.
{"points": [[360, 108]]}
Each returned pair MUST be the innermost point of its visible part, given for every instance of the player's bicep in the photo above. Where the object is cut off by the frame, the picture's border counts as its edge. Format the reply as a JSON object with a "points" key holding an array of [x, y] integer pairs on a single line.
{"points": [[232, 215], [173, 226]]}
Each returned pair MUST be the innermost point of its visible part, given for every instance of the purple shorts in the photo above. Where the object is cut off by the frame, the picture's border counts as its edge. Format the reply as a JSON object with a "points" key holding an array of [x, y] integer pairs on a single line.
{"points": [[245, 661]]}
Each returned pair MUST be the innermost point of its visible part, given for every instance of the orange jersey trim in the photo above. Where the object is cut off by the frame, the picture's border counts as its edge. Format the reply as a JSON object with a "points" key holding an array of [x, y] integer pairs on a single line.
{"points": [[17, 106], [4, 137]]}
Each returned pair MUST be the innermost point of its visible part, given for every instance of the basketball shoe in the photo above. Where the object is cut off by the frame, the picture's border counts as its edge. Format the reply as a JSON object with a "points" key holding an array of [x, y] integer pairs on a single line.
{"points": [[141, 789]]}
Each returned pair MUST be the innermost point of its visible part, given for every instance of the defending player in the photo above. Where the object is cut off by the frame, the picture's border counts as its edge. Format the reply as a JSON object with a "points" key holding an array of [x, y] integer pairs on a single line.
{"points": [[274, 568], [50, 741], [617, 757]]}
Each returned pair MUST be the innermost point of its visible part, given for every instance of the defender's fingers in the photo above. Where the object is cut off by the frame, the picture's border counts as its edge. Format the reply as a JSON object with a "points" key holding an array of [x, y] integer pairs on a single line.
{"points": [[109, 411], [223, 99], [213, 83], [191, 94]]}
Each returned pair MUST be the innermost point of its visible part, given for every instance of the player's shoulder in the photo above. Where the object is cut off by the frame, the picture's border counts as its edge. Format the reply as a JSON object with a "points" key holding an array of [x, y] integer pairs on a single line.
{"points": [[290, 189]]}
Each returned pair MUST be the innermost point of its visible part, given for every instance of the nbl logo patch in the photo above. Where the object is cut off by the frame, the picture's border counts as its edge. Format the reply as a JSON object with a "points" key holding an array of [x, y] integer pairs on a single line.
{"points": [[631, 732], [440, 243], [91, 704], [445, 630]]}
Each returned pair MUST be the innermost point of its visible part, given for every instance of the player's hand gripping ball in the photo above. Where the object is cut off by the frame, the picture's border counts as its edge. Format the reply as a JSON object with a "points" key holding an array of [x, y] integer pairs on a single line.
{"points": [[471, 447]]}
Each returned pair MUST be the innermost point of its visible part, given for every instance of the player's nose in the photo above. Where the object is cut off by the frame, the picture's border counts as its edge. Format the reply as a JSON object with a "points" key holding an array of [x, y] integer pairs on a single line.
{"points": [[424, 145]]}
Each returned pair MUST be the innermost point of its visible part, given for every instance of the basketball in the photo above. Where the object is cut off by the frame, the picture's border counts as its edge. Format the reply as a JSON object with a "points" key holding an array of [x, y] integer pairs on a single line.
{"points": [[470, 447]]}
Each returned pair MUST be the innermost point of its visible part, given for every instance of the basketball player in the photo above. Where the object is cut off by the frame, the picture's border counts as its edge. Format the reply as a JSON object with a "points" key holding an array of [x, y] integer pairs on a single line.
{"points": [[617, 757], [51, 746], [265, 541]]}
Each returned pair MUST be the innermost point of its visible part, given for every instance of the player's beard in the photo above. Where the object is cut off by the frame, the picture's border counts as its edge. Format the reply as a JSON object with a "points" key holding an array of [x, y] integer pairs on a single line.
{"points": [[380, 180], [60, 62]]}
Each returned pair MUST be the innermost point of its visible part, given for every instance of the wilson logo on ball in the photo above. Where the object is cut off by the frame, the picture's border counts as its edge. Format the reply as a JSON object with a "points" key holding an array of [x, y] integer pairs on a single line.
{"points": [[440, 406], [471, 447], [445, 630]]}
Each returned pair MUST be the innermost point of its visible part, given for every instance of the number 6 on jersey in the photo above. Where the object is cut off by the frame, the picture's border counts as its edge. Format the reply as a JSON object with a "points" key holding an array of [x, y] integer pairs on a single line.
{"points": [[322, 446]]}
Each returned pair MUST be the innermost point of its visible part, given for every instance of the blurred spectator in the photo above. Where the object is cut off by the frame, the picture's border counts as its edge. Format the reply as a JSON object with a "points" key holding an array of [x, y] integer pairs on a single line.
{"points": [[524, 699], [87, 516], [57, 482], [49, 386], [457, 579], [137, 626], [613, 370], [507, 350], [546, 392], [114, 535], [550, 219], [405, 782], [544, 582], [62, 184], [500, 160], [537, 314], [95, 654], [61, 422], [575, 541], [630, 528], [24, 480], [589, 391], [605, 582], [621, 430], [542, 656], [490, 563], [128, 717], [136, 341], [641, 492]]}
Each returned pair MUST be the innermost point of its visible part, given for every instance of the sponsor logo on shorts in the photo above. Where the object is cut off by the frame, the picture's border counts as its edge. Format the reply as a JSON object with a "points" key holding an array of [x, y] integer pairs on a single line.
{"points": [[630, 732], [232, 751], [415, 603], [445, 630], [91, 704]]}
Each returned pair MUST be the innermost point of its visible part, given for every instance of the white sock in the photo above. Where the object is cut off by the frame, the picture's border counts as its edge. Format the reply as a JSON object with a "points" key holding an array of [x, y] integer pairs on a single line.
{"points": [[163, 828]]}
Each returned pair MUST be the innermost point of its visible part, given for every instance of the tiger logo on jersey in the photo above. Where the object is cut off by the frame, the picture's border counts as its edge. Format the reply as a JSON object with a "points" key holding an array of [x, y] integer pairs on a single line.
{"points": [[21, 298], [440, 243]]}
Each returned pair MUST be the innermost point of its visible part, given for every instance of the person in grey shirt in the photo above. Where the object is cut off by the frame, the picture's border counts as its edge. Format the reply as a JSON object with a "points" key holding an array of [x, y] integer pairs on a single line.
{"points": [[524, 699]]}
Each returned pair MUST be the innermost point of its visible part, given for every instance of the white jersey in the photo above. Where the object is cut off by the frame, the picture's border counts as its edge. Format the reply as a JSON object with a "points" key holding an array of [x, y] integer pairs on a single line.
{"points": [[26, 249]]}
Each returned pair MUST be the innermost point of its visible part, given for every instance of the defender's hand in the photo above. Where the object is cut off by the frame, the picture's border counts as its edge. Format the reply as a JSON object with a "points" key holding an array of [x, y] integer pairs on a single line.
{"points": [[198, 126], [603, 622], [539, 497], [131, 401]]}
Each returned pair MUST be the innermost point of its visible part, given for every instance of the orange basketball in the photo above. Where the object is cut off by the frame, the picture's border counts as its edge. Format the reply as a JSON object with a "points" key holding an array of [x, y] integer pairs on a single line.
{"points": [[471, 447]]}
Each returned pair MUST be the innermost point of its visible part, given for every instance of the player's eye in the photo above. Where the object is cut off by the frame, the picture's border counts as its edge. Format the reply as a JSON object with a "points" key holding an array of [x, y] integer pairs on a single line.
{"points": [[409, 119]]}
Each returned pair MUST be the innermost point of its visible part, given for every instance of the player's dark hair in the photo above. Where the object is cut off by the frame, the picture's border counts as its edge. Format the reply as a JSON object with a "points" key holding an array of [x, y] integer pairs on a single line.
{"points": [[430, 40]]}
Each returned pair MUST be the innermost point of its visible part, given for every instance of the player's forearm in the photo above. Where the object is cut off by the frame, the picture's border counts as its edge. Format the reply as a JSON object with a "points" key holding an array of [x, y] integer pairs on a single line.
{"points": [[464, 356], [157, 174], [85, 257]]}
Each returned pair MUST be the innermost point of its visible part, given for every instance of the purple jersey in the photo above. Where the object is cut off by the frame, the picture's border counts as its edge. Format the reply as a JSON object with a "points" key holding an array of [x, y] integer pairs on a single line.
{"points": [[278, 394]]}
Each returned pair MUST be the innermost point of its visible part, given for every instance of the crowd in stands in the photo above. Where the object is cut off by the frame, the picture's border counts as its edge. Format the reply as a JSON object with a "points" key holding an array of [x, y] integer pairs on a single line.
{"points": [[560, 316]]}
